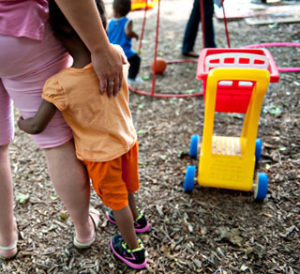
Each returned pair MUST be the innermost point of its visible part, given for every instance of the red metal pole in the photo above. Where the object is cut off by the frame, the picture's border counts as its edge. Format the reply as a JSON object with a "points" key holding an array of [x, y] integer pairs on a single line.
{"points": [[143, 28], [225, 25], [155, 49]]}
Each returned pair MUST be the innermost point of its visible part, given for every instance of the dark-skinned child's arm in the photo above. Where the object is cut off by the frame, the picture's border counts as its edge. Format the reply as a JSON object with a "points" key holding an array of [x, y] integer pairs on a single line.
{"points": [[39, 122], [129, 31]]}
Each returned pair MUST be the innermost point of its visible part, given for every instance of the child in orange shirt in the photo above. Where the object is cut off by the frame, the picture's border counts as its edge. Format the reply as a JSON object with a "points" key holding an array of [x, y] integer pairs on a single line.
{"points": [[104, 135]]}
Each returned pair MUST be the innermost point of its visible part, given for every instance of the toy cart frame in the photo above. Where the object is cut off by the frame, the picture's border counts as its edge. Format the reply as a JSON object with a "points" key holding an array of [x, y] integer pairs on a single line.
{"points": [[234, 80]]}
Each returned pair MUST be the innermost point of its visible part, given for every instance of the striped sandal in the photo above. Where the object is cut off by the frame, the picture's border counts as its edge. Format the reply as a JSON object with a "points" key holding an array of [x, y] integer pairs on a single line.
{"points": [[9, 248], [94, 215]]}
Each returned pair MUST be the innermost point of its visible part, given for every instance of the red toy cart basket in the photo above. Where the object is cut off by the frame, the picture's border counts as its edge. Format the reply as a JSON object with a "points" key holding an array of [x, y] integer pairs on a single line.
{"points": [[234, 96]]}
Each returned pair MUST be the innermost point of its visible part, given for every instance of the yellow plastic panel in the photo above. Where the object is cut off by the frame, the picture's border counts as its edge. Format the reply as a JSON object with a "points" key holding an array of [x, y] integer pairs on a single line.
{"points": [[228, 162]]}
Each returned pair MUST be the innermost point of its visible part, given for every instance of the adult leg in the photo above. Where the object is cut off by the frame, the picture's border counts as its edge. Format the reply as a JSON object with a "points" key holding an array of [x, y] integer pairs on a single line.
{"points": [[208, 24], [71, 183], [34, 63], [8, 229], [134, 67], [191, 28]]}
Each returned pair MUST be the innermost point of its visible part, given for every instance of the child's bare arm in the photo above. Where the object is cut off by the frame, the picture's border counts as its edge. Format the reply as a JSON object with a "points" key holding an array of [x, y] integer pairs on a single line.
{"points": [[129, 31], [39, 122]]}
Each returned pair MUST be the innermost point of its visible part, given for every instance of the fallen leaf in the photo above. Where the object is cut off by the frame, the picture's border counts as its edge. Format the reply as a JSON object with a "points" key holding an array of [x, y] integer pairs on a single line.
{"points": [[22, 198]]}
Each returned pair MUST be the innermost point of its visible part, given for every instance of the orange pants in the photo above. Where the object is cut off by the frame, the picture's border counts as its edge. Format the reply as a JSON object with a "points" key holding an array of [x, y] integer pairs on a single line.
{"points": [[113, 180]]}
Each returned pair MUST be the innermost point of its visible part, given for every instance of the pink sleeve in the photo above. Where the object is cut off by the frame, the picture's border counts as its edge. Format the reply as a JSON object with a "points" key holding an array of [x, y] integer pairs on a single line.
{"points": [[24, 18]]}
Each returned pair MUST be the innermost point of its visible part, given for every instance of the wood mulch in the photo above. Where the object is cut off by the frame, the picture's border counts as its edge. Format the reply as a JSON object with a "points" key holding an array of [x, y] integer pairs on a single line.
{"points": [[206, 231]]}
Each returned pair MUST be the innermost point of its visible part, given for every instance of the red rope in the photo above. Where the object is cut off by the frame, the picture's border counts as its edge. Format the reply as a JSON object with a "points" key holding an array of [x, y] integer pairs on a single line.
{"points": [[180, 61], [161, 95], [225, 25], [143, 28], [155, 48]]}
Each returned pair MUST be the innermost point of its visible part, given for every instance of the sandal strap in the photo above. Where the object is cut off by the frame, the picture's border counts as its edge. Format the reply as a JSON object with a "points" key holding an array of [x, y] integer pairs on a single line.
{"points": [[84, 245], [14, 245], [95, 223], [8, 247]]}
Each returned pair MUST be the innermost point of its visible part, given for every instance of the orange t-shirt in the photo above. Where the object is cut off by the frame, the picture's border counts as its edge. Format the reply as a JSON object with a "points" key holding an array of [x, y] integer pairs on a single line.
{"points": [[102, 127]]}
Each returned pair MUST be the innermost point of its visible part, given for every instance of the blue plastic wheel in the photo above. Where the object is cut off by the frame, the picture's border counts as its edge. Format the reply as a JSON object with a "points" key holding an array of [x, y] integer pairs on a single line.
{"points": [[258, 146], [189, 178], [261, 190], [194, 146]]}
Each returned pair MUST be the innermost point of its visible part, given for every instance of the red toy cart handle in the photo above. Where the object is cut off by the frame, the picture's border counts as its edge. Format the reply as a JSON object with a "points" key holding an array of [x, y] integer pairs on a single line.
{"points": [[236, 58]]}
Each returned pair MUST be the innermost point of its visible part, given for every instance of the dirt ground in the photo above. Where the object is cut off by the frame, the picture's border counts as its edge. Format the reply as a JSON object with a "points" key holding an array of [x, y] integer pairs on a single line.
{"points": [[208, 230]]}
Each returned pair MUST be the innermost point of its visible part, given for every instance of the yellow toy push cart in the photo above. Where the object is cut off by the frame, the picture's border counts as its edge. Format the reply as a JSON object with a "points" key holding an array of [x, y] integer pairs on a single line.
{"points": [[229, 162]]}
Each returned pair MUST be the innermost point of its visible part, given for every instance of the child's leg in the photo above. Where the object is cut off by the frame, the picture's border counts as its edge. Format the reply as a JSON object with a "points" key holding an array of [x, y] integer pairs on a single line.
{"points": [[134, 67], [124, 221], [108, 181], [141, 224], [108, 184], [132, 205], [130, 177]]}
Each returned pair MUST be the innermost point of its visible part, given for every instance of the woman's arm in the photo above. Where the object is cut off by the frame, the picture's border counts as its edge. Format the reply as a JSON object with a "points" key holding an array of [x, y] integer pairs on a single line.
{"points": [[107, 61], [41, 119]]}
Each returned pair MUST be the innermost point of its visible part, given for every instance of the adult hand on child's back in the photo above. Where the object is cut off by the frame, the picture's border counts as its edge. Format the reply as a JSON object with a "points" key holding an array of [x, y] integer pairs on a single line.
{"points": [[108, 65]]}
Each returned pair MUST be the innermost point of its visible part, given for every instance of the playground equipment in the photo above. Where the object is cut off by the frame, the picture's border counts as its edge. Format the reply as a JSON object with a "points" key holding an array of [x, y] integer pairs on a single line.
{"points": [[282, 44], [143, 4], [235, 80], [160, 66]]}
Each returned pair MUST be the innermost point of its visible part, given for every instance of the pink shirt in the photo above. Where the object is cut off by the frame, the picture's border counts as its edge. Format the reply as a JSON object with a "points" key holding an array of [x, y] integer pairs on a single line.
{"points": [[21, 18]]}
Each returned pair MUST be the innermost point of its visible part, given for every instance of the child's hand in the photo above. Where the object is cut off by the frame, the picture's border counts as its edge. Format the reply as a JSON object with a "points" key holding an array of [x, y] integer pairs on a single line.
{"points": [[28, 125], [23, 124], [136, 36]]}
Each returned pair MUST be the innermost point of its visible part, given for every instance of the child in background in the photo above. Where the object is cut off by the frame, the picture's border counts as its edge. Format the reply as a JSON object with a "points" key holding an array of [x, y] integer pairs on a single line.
{"points": [[120, 32], [104, 135]]}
